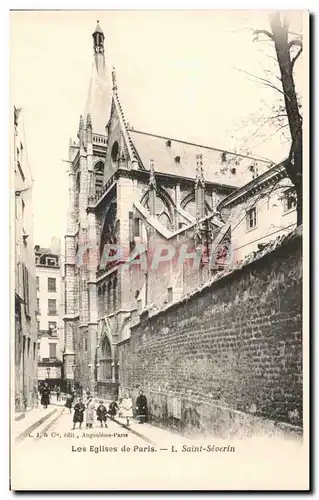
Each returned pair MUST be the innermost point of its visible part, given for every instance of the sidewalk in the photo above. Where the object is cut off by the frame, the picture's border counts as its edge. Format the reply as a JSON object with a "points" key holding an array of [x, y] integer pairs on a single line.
{"points": [[151, 433], [34, 418]]}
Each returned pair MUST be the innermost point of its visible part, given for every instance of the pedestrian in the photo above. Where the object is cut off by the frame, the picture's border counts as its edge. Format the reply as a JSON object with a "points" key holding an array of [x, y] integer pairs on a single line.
{"points": [[78, 416], [113, 408], [69, 401], [101, 413], [126, 408], [45, 396], [141, 407], [58, 393], [89, 414]]}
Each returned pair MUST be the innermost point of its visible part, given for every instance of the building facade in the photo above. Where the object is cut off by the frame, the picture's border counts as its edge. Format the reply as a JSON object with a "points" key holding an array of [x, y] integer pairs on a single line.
{"points": [[262, 211], [25, 336], [143, 210], [50, 310]]}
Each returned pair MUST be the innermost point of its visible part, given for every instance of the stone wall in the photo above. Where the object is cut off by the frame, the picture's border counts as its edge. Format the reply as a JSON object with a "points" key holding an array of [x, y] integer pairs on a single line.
{"points": [[230, 354]]}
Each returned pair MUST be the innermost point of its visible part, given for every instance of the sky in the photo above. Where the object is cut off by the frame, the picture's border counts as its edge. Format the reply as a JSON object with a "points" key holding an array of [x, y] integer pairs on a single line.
{"points": [[183, 74]]}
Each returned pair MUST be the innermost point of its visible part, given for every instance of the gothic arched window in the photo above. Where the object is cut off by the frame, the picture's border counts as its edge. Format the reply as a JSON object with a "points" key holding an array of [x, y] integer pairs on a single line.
{"points": [[114, 294], [165, 220], [98, 176], [78, 181]]}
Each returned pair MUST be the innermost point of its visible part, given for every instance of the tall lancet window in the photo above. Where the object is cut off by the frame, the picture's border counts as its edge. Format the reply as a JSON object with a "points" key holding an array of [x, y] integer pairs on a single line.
{"points": [[98, 176], [109, 297], [115, 294]]}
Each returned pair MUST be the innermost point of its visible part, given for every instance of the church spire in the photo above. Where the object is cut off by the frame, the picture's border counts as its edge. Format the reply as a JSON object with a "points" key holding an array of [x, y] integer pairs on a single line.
{"points": [[98, 46]]}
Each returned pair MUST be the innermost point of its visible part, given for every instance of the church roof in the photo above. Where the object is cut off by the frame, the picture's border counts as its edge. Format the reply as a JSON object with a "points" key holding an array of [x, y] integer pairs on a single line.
{"points": [[176, 157], [98, 103]]}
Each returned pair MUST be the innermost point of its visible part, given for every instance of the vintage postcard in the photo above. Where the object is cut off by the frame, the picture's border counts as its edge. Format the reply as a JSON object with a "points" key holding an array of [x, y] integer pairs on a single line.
{"points": [[159, 167]]}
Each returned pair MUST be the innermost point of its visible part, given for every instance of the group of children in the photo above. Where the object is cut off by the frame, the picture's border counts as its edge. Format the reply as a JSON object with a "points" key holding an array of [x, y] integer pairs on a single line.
{"points": [[124, 409]]}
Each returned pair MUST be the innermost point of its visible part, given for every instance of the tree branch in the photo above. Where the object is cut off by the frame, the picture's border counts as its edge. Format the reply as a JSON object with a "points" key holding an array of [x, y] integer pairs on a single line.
{"points": [[267, 83], [262, 32], [294, 59], [294, 42]]}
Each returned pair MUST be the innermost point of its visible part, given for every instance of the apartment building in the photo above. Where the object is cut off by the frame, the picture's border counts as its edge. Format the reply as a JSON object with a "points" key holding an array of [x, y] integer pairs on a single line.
{"points": [[49, 285]]}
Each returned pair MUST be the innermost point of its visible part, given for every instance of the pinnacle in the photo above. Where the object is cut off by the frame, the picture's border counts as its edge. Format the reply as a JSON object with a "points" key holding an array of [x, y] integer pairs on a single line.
{"points": [[88, 121], [81, 124], [98, 28]]}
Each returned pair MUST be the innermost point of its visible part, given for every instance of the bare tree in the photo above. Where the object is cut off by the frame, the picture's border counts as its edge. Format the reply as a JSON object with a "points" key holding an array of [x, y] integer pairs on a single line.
{"points": [[286, 58]]}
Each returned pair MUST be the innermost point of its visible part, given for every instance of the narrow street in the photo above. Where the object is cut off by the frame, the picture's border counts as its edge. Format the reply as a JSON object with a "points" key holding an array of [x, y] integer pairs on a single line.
{"points": [[53, 456], [109, 457]]}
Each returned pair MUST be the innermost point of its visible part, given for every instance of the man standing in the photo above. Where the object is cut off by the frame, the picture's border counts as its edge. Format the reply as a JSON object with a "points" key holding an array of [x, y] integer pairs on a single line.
{"points": [[141, 407], [78, 415]]}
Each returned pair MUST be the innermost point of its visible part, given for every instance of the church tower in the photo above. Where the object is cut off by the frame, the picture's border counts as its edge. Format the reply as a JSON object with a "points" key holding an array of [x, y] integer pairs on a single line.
{"points": [[87, 156]]}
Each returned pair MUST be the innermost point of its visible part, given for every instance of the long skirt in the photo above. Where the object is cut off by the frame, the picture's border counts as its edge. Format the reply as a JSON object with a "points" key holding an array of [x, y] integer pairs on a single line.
{"points": [[45, 399]]}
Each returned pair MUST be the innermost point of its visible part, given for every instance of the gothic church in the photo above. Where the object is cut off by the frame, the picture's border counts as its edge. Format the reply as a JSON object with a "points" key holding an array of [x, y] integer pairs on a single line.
{"points": [[131, 190]]}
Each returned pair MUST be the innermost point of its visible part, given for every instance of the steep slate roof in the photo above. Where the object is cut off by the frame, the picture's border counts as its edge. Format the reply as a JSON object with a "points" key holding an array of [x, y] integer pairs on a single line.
{"points": [[99, 98], [149, 146]]}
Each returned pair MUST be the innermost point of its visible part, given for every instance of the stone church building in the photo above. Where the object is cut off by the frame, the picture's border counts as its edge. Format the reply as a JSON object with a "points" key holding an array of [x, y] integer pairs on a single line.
{"points": [[139, 196]]}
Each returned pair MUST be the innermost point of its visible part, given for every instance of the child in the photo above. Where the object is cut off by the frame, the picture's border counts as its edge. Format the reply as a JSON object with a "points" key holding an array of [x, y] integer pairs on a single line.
{"points": [[68, 403], [89, 413], [101, 413], [126, 408], [113, 408]]}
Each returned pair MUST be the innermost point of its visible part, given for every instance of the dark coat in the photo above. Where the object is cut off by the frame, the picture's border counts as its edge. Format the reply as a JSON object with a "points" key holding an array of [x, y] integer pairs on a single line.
{"points": [[79, 410], [101, 413], [69, 401], [141, 405], [113, 408], [45, 396]]}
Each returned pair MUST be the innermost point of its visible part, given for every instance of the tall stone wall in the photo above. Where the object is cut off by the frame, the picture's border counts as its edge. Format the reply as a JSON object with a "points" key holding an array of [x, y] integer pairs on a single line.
{"points": [[233, 348]]}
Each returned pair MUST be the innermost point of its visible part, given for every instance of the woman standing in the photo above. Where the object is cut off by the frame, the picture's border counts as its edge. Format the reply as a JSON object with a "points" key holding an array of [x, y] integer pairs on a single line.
{"points": [[126, 408], [69, 401], [141, 407], [45, 396], [89, 414], [78, 416]]}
